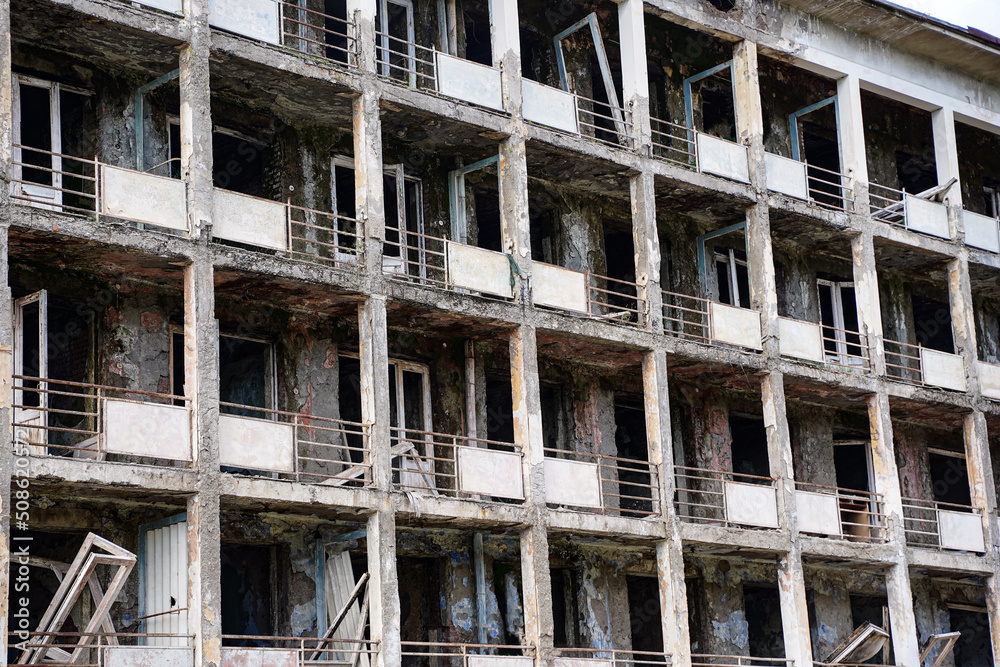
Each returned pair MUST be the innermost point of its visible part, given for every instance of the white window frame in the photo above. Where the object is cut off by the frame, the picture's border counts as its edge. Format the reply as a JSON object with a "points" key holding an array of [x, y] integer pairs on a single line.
{"points": [[341, 162], [400, 264], [732, 280], [993, 197], [37, 438], [386, 40], [37, 191], [837, 305], [873, 508]]}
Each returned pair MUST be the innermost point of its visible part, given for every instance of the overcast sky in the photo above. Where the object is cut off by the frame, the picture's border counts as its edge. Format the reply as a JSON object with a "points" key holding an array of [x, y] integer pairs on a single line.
{"points": [[981, 14]]}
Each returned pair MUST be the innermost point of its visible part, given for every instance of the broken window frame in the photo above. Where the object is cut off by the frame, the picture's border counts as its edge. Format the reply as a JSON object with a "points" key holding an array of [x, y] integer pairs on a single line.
{"points": [[992, 196], [733, 264], [794, 134], [590, 20], [707, 280], [384, 40], [342, 162], [402, 182], [950, 453], [271, 381], [695, 78], [838, 326], [40, 414], [145, 595], [456, 198]]}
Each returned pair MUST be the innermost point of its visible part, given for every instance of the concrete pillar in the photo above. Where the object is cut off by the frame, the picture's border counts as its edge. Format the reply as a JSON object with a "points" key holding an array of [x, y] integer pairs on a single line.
{"points": [[368, 189], [853, 156], [515, 224], [749, 114], [506, 35], [646, 241], [363, 12], [946, 152], [984, 496], [867, 294], [7, 459], [374, 361], [196, 117], [963, 318], [383, 587], [635, 79]]}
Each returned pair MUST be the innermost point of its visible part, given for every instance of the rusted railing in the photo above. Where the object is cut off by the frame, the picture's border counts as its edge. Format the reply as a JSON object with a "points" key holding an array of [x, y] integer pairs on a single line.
{"points": [[605, 122], [829, 189], [324, 450], [921, 520], [708, 660], [628, 487], [674, 143], [61, 418], [691, 318], [700, 495], [324, 238], [305, 651], [903, 361], [455, 654], [887, 204], [405, 62], [429, 462], [615, 300], [615, 657], [862, 514], [842, 347], [55, 649], [316, 34], [54, 181], [415, 257]]}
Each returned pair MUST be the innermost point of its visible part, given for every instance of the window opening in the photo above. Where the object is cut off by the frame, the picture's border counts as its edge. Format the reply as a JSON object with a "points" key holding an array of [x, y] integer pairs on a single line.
{"points": [[397, 54], [247, 377], [838, 309]]}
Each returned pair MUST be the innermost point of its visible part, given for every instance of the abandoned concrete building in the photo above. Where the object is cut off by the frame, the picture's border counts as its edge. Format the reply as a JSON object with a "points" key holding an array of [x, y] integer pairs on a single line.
{"points": [[499, 333]]}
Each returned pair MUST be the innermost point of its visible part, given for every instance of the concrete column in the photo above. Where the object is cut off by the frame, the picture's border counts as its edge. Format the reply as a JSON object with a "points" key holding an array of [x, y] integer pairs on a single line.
{"points": [[506, 35], [905, 643], [196, 118], [635, 79], [749, 115], [760, 265], [853, 156], [368, 190], [867, 294], [963, 318], [374, 358], [383, 587], [946, 153], [6, 320], [515, 224], [646, 241], [791, 577], [363, 13], [984, 496]]}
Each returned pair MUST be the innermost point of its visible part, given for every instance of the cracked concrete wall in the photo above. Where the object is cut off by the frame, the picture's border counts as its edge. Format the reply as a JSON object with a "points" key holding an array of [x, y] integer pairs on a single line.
{"points": [[785, 89], [889, 127]]}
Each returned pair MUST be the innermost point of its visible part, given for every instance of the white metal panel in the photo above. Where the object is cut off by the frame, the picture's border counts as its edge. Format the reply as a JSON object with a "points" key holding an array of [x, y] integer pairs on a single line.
{"points": [[582, 662], [723, 158], [751, 504], [549, 106], [147, 429], [818, 513], [256, 444], [259, 657], [576, 483], [989, 379], [134, 195], [558, 287], [942, 369], [736, 326], [338, 584], [479, 270], [256, 19], [249, 220], [166, 584], [926, 216], [148, 656], [981, 231], [802, 340], [172, 6], [469, 81], [490, 472], [39, 196], [961, 530], [499, 661], [786, 176]]}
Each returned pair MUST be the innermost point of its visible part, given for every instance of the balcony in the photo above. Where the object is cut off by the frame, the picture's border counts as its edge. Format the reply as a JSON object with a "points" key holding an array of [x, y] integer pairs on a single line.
{"points": [[89, 421], [700, 152], [590, 294], [467, 655], [112, 649], [936, 525], [989, 379], [242, 650], [809, 183], [918, 213], [847, 514], [294, 446], [982, 231], [705, 660], [923, 366], [608, 485], [710, 322], [608, 657], [725, 498], [842, 349]]}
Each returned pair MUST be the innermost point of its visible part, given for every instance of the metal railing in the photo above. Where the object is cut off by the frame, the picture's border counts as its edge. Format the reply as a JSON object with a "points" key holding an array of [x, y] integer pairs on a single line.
{"points": [[307, 651], [415, 257], [406, 62], [700, 495], [690, 318], [829, 189], [605, 122], [842, 347], [903, 361], [61, 418], [862, 513], [615, 657], [710, 660], [324, 238], [674, 143], [54, 181], [318, 35], [921, 524], [324, 450], [456, 654], [887, 204], [629, 487], [55, 649], [615, 300], [428, 462]]}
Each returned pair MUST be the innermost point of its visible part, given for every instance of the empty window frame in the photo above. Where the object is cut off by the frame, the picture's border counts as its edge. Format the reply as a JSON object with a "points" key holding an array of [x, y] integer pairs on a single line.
{"points": [[405, 248], [991, 196], [711, 104], [343, 198], [397, 52], [611, 101], [487, 208], [247, 377], [949, 472], [238, 162], [30, 361], [47, 125], [722, 265], [838, 309], [173, 166], [733, 277]]}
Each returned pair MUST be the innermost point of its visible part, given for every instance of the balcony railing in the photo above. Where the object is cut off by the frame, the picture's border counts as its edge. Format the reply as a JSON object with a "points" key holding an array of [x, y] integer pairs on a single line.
{"points": [[829, 189], [937, 525], [456, 466], [318, 35], [54, 181], [454, 654], [919, 212], [604, 122], [431, 260], [96, 649], [590, 294], [294, 446], [90, 421], [725, 498], [239, 650], [610, 657], [824, 344], [887, 204], [415, 257], [856, 516], [406, 62], [924, 366], [674, 143], [608, 485], [324, 238], [706, 321], [708, 660]]}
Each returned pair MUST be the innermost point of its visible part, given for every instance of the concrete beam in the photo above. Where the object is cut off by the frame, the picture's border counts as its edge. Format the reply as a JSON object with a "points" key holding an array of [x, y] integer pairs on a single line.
{"points": [[384, 588]]}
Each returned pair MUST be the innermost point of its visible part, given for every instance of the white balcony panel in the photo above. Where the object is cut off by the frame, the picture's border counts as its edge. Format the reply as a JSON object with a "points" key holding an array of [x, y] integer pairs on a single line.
{"points": [[256, 19], [751, 505], [172, 6], [576, 483], [926, 216], [818, 513], [723, 158], [469, 81], [133, 195], [259, 657], [801, 340], [244, 219], [147, 429], [479, 270], [148, 656], [491, 473], [499, 661], [961, 531], [989, 379], [942, 369], [736, 326], [786, 176], [981, 231], [549, 106], [559, 288], [581, 662], [256, 444]]}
